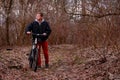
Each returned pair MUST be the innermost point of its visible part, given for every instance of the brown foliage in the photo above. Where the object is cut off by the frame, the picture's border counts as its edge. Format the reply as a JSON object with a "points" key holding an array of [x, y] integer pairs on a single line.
{"points": [[87, 23]]}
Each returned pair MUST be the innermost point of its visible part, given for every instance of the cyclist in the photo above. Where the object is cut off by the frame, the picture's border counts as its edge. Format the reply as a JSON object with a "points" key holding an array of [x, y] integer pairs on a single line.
{"points": [[40, 26]]}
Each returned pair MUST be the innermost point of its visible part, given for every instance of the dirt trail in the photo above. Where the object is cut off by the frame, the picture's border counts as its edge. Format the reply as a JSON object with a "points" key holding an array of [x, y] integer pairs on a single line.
{"points": [[67, 62]]}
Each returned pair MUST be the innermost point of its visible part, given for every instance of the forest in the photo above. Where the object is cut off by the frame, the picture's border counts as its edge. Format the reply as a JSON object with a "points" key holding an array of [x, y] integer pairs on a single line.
{"points": [[85, 39], [83, 22]]}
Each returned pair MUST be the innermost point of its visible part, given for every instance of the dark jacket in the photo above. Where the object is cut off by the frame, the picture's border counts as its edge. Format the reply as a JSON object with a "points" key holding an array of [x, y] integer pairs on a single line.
{"points": [[41, 28]]}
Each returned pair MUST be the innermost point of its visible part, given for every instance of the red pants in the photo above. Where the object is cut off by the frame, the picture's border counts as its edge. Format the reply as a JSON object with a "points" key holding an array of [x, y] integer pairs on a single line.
{"points": [[45, 52]]}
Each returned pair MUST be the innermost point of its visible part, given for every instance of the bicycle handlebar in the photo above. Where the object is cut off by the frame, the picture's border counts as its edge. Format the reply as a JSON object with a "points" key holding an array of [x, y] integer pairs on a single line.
{"points": [[34, 34]]}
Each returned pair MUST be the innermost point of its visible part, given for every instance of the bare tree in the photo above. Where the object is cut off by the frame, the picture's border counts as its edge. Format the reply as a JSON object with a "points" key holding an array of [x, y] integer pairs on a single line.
{"points": [[84, 22], [7, 6]]}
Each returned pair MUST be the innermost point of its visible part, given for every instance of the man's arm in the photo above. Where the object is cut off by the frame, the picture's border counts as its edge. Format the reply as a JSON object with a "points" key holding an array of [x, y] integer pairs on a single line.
{"points": [[28, 29], [48, 29]]}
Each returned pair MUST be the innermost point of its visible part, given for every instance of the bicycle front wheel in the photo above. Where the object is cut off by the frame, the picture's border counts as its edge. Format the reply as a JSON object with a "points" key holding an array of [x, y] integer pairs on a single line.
{"points": [[35, 60], [31, 58]]}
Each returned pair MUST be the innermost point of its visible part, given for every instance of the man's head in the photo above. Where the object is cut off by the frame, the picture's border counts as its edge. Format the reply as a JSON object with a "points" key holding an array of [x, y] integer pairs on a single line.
{"points": [[39, 16]]}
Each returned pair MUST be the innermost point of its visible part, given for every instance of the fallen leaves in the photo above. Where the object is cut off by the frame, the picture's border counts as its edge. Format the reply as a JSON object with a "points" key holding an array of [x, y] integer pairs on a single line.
{"points": [[67, 62]]}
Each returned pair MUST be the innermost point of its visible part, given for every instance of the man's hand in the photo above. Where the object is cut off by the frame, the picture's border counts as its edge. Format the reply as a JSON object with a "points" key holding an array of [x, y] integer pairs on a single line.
{"points": [[28, 32], [45, 34]]}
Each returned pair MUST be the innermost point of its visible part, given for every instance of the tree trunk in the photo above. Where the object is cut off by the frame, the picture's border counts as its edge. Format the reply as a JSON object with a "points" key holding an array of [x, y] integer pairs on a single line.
{"points": [[7, 31], [8, 11]]}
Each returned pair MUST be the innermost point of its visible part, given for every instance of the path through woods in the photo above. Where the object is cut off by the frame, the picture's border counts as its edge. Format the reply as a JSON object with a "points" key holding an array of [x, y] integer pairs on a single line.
{"points": [[67, 62]]}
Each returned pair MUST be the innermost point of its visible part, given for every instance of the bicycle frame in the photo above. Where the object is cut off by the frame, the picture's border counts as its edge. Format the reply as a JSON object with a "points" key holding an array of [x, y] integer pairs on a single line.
{"points": [[34, 45], [34, 53]]}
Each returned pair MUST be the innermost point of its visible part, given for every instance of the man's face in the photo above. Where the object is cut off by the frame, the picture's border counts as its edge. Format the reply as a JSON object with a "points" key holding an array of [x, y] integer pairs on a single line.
{"points": [[38, 17]]}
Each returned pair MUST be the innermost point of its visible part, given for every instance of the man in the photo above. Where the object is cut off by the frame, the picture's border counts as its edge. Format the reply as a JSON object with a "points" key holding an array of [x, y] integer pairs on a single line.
{"points": [[40, 26]]}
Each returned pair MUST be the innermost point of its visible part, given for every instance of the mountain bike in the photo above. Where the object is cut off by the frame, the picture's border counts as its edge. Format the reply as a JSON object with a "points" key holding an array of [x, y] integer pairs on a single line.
{"points": [[33, 57]]}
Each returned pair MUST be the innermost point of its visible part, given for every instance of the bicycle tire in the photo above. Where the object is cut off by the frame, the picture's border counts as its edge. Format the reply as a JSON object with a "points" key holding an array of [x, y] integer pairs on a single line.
{"points": [[35, 60], [30, 58]]}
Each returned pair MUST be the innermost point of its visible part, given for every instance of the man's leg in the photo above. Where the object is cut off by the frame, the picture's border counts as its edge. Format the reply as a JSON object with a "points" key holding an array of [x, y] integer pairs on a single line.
{"points": [[45, 51], [39, 55]]}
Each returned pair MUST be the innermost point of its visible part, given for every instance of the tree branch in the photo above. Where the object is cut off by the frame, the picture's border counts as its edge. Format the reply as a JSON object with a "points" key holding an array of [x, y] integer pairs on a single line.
{"points": [[90, 15]]}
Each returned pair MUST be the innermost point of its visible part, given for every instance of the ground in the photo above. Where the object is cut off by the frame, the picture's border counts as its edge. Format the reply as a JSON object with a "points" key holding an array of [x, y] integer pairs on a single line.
{"points": [[67, 62]]}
